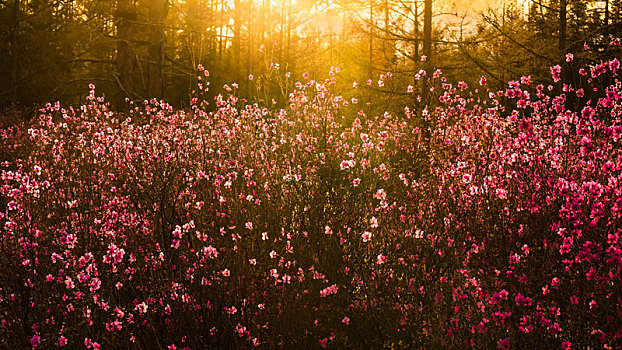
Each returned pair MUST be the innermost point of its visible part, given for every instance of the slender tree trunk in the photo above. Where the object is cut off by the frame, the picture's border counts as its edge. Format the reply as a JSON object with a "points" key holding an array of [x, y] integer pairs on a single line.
{"points": [[562, 26], [281, 33], [289, 35], [13, 54], [427, 49], [371, 56], [427, 29], [222, 33], [125, 16], [158, 11], [387, 46], [416, 44], [416, 31], [249, 48], [562, 37], [371, 39], [237, 33]]}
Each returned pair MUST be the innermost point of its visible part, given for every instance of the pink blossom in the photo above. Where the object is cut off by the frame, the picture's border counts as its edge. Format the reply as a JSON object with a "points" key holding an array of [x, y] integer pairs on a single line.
{"points": [[373, 222], [503, 344], [555, 72], [141, 308], [329, 291], [381, 259], [35, 341]]}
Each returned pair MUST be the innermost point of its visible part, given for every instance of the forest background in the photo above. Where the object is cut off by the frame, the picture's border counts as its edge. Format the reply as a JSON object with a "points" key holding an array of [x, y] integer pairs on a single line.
{"points": [[50, 50]]}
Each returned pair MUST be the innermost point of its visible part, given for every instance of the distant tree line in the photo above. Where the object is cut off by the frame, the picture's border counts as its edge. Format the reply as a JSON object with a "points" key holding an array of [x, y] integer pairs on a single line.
{"points": [[139, 49]]}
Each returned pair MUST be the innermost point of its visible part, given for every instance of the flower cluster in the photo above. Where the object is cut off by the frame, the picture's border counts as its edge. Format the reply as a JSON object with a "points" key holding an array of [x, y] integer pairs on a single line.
{"points": [[490, 220]]}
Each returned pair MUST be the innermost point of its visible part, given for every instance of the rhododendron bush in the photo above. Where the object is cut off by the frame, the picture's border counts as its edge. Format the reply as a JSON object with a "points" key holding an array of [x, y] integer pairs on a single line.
{"points": [[490, 220]]}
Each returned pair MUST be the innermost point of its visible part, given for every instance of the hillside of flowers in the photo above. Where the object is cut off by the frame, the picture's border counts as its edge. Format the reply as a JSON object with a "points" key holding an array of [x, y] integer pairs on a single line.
{"points": [[492, 220]]}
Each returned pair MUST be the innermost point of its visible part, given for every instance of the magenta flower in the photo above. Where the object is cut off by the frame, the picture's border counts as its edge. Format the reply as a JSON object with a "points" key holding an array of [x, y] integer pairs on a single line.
{"points": [[556, 72], [503, 344], [35, 341]]}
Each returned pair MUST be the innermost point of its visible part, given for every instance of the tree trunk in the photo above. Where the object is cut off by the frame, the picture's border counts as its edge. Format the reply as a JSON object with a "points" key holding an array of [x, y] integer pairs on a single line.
{"points": [[158, 11], [371, 40], [13, 52], [237, 33], [416, 32], [125, 16], [427, 29], [416, 45], [562, 37], [288, 59], [249, 48], [562, 26], [281, 33]]}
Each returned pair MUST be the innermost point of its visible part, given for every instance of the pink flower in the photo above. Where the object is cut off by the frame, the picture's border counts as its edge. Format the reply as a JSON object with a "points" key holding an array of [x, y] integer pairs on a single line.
{"points": [[503, 344], [593, 304], [556, 72], [69, 283], [373, 222], [95, 284], [346, 320], [366, 236], [580, 92], [381, 259], [35, 340], [501, 193], [329, 290], [141, 308]]}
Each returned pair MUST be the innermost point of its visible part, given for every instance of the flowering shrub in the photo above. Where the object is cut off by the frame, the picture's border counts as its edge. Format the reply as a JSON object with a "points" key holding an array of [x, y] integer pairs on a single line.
{"points": [[491, 220]]}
